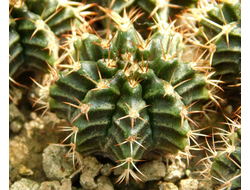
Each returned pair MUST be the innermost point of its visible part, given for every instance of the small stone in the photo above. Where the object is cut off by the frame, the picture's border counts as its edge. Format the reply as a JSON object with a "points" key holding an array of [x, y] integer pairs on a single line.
{"points": [[25, 184], [104, 183], [55, 165], [50, 185], [66, 184], [15, 114], [91, 168], [118, 171], [87, 182], [33, 115], [188, 172], [154, 170], [18, 155], [188, 184], [175, 172], [25, 171], [16, 118], [16, 126], [106, 169], [167, 186], [55, 185]]}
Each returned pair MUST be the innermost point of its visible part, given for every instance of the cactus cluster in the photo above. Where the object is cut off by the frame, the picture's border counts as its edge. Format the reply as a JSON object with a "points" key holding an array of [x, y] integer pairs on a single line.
{"points": [[126, 96]]}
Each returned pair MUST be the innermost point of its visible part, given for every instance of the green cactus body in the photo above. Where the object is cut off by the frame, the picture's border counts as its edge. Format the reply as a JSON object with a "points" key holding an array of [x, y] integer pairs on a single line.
{"points": [[38, 24], [114, 99], [33, 44], [222, 28], [15, 49], [226, 166], [226, 169], [62, 21]]}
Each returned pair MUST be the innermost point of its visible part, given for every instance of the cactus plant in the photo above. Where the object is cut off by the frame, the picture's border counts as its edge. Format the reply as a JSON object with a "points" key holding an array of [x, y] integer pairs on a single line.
{"points": [[128, 87]]}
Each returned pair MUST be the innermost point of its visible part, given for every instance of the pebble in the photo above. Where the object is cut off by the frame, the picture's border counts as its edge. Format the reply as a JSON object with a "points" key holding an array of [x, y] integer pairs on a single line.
{"points": [[16, 118], [55, 185], [24, 171], [16, 126], [50, 185], [175, 172], [66, 184], [35, 123], [118, 171], [25, 184], [188, 184], [167, 186], [104, 183], [106, 169], [91, 168], [87, 182], [55, 166], [154, 170]]}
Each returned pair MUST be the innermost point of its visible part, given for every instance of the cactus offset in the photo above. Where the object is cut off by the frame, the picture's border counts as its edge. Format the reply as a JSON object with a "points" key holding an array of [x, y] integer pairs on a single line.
{"points": [[39, 23], [220, 30], [226, 167]]}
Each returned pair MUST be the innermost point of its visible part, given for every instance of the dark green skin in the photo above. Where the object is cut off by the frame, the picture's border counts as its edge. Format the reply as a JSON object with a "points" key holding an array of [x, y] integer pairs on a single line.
{"points": [[225, 169], [29, 54], [33, 55], [226, 60], [227, 166], [159, 125]]}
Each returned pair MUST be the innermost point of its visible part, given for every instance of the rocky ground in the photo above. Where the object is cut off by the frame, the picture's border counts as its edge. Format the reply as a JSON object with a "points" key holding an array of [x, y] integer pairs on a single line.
{"points": [[36, 162]]}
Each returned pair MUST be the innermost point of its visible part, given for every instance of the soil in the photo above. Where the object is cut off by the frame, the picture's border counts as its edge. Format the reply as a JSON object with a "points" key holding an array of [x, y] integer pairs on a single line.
{"points": [[27, 145]]}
